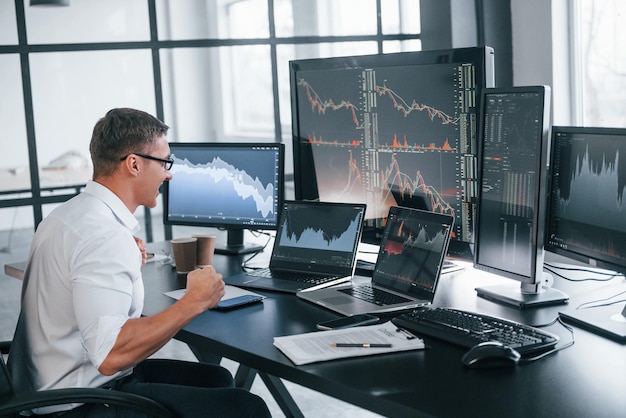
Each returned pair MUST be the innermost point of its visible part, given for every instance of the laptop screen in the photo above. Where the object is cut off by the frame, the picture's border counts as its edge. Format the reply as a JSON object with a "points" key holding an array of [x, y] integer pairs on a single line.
{"points": [[319, 235], [412, 251]]}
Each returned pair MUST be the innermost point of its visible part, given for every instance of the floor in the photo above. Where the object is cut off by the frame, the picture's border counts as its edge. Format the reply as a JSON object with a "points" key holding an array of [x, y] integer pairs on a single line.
{"points": [[14, 247]]}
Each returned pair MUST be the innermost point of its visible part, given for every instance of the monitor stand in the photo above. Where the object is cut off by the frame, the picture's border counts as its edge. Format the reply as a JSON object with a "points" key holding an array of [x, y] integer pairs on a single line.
{"points": [[524, 295], [235, 244]]}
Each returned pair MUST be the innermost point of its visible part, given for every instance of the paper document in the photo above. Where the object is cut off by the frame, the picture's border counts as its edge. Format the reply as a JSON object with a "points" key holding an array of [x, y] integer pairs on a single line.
{"points": [[318, 346], [231, 292], [156, 257]]}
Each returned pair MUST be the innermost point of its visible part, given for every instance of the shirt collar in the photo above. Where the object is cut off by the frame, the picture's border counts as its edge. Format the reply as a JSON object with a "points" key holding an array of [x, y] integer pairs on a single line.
{"points": [[116, 205]]}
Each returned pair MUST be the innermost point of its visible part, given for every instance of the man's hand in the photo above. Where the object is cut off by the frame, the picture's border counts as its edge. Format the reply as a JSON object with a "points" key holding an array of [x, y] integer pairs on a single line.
{"points": [[142, 248], [205, 287]]}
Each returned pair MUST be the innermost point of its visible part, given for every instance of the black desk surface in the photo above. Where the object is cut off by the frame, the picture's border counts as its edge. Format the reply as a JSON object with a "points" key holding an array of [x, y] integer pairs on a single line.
{"points": [[585, 380]]}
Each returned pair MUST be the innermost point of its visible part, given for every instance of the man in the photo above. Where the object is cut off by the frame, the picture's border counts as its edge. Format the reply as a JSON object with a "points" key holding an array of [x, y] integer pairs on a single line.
{"points": [[80, 324]]}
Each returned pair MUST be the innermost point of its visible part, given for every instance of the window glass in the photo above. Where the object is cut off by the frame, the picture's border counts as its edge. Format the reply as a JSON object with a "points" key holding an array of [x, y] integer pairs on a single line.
{"points": [[91, 21], [325, 17], [208, 19], [8, 24], [71, 91], [246, 19], [390, 47], [248, 101], [602, 58], [218, 94], [11, 219], [191, 93], [401, 16], [14, 168]]}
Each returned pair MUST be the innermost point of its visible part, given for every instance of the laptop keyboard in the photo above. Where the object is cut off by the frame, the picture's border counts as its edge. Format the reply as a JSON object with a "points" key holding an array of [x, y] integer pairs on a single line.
{"points": [[292, 276], [374, 295]]}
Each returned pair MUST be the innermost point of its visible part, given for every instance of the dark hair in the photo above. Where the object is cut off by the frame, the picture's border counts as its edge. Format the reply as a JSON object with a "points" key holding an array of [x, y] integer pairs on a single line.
{"points": [[121, 132]]}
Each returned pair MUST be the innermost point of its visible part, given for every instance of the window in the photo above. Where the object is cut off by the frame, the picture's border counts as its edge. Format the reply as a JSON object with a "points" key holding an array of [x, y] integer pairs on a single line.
{"points": [[600, 57], [214, 70]]}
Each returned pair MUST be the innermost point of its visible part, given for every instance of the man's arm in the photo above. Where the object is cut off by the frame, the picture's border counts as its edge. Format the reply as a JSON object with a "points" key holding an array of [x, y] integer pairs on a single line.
{"points": [[139, 338]]}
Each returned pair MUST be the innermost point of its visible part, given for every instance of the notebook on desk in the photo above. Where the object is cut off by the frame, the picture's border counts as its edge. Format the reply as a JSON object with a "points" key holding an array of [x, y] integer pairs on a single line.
{"points": [[315, 247], [407, 270]]}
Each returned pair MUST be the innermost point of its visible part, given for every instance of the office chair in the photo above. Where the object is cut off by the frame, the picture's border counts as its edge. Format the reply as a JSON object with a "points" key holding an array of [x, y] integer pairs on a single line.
{"points": [[12, 403]]}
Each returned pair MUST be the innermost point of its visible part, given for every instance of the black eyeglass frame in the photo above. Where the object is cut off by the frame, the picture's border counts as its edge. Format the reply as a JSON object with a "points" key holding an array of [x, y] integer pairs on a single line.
{"points": [[167, 163]]}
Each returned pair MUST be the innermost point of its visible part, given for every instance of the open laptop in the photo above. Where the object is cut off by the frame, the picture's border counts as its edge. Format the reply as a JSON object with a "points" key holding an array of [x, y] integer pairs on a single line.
{"points": [[407, 270], [315, 247]]}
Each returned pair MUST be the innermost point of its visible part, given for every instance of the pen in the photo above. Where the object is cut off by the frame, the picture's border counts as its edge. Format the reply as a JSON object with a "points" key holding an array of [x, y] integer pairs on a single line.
{"points": [[406, 333], [362, 345]]}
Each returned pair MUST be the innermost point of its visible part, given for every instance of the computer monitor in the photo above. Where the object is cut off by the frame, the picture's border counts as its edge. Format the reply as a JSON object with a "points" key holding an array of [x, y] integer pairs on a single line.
{"points": [[391, 130], [586, 220], [231, 186], [515, 124]]}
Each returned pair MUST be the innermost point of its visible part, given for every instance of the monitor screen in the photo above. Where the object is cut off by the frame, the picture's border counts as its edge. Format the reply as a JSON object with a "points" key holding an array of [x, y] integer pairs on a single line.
{"points": [[234, 186], [586, 211], [512, 197], [586, 221], [391, 130]]}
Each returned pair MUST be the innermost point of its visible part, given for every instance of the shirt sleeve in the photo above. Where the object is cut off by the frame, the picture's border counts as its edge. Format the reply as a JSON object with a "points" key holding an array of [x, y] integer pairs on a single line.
{"points": [[106, 291]]}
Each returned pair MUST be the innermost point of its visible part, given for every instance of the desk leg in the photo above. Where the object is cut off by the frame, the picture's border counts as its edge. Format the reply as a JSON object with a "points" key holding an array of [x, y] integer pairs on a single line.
{"points": [[245, 376], [203, 356]]}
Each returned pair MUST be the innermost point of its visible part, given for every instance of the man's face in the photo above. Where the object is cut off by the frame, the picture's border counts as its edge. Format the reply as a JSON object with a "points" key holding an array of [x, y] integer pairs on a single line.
{"points": [[155, 173]]}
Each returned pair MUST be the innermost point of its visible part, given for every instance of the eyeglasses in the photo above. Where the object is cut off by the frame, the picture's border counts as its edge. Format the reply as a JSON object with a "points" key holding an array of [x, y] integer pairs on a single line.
{"points": [[166, 163]]}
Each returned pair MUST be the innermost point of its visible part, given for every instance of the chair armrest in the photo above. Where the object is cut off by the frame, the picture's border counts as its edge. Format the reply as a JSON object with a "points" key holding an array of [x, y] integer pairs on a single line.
{"points": [[25, 401]]}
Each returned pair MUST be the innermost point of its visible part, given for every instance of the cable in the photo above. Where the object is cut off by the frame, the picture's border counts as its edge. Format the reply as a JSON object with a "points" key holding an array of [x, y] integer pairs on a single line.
{"points": [[257, 234], [556, 349], [613, 275], [581, 306], [581, 269]]}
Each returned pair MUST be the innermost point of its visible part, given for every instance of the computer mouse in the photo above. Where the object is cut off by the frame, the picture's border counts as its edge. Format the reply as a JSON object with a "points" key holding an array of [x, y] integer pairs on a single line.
{"points": [[491, 354]]}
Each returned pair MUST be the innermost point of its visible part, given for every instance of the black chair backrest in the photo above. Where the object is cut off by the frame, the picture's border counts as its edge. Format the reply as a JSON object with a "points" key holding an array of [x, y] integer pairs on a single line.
{"points": [[6, 387]]}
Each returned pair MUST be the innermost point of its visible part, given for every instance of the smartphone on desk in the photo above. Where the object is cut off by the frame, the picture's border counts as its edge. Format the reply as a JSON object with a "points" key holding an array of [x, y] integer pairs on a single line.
{"points": [[347, 322], [238, 301]]}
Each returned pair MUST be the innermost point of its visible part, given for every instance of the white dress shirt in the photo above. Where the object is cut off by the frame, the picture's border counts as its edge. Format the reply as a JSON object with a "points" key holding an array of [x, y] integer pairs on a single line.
{"points": [[82, 283]]}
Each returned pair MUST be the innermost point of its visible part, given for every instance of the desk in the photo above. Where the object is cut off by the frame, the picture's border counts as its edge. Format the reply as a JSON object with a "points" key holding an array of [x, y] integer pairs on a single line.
{"points": [[588, 379]]}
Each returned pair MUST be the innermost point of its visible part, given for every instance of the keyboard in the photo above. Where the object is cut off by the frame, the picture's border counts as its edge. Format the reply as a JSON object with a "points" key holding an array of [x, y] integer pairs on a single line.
{"points": [[373, 295], [468, 329], [290, 275]]}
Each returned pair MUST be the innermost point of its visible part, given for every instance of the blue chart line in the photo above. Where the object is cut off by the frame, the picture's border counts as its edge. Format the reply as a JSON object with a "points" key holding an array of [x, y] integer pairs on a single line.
{"points": [[320, 240], [203, 179]]}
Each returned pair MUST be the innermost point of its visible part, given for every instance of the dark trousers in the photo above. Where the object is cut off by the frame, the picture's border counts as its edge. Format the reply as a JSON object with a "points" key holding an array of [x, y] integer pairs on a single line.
{"points": [[185, 388]]}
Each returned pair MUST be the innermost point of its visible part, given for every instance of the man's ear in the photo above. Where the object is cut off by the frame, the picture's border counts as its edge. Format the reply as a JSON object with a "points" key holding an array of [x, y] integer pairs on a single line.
{"points": [[132, 164]]}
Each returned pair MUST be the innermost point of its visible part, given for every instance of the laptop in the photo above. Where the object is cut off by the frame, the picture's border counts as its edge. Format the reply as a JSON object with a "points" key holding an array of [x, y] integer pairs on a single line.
{"points": [[315, 247], [409, 263]]}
